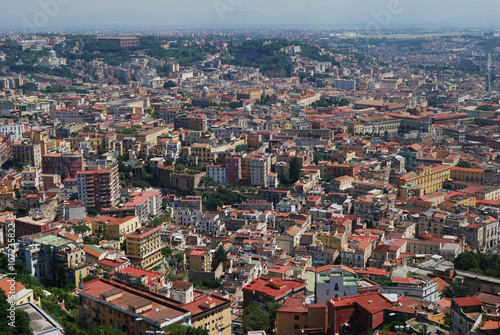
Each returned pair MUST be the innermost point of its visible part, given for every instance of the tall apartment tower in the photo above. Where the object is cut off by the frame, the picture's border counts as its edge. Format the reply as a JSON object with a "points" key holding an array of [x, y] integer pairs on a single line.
{"points": [[98, 189]]}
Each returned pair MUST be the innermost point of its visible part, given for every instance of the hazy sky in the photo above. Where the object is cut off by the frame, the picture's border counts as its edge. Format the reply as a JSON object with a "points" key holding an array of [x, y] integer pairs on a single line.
{"points": [[47, 14]]}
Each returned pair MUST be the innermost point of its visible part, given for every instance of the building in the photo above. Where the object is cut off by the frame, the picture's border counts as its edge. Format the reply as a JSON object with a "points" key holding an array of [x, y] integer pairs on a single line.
{"points": [[295, 317], [122, 42], [465, 315], [66, 164], [334, 281], [182, 291], [28, 226], [262, 290], [45, 257], [427, 179], [233, 169], [467, 175], [41, 323], [117, 228], [153, 281], [144, 247], [127, 308], [358, 314], [99, 188], [16, 292], [14, 131], [27, 153], [260, 167], [200, 259], [417, 287], [218, 172]]}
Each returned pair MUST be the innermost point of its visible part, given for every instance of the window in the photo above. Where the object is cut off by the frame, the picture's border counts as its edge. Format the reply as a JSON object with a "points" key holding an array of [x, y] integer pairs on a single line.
{"points": [[336, 286], [296, 326], [296, 317]]}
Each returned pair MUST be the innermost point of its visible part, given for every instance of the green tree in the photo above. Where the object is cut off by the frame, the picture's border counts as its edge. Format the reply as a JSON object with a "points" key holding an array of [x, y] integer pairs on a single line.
{"points": [[92, 211], [103, 330], [295, 169], [464, 164], [272, 309], [456, 290], [177, 329], [220, 255], [20, 320], [255, 318], [166, 251], [169, 84], [241, 148], [81, 229], [142, 184], [343, 102], [318, 156]]}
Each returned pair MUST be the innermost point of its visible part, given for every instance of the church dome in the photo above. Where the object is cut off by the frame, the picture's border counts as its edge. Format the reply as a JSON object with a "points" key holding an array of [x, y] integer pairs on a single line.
{"points": [[425, 237]]}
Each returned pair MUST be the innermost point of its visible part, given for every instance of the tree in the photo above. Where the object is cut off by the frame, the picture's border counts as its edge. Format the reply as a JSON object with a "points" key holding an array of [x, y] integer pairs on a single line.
{"points": [[220, 255], [20, 320], [81, 229], [103, 330], [423, 329], [142, 184], [343, 102], [255, 318], [272, 309], [169, 84], [295, 169], [241, 148], [456, 290], [177, 329], [318, 156], [93, 211], [464, 164], [166, 251]]}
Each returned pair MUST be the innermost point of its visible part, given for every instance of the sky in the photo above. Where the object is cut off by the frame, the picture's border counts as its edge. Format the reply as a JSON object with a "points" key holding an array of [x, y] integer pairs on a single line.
{"points": [[51, 14]]}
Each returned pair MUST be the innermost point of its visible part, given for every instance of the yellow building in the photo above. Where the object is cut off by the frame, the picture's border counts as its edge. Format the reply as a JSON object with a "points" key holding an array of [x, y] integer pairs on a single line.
{"points": [[16, 292], [204, 152], [333, 240], [246, 166], [428, 179], [295, 315], [211, 312], [144, 247], [117, 228], [467, 175], [253, 140], [200, 259], [124, 307]]}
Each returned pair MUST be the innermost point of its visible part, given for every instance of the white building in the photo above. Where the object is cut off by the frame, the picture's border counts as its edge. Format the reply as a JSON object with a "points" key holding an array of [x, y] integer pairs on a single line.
{"points": [[418, 287], [210, 224], [272, 181], [51, 61], [260, 168], [14, 131], [186, 217], [218, 172]]}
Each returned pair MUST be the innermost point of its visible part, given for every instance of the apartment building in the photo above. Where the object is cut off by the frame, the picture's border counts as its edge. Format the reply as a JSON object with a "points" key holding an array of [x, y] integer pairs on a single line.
{"points": [[466, 315], [44, 256], [14, 131], [418, 287], [260, 167], [117, 228], [356, 255], [218, 172], [99, 188], [144, 247], [200, 259], [295, 317], [427, 179], [27, 153], [64, 164], [122, 306], [467, 175]]}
